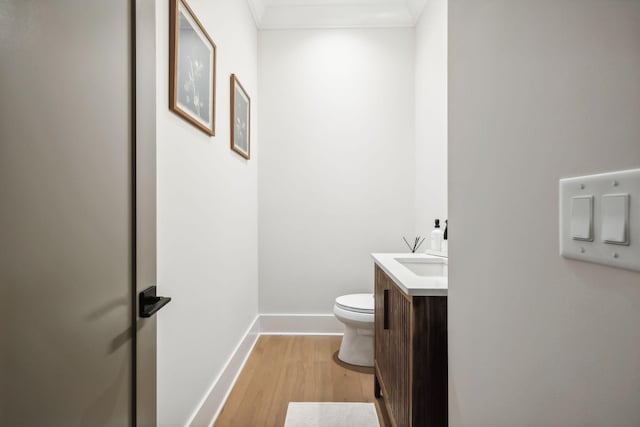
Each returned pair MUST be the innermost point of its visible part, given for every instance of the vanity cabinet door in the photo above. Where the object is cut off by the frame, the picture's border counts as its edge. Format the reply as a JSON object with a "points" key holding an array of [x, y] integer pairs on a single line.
{"points": [[392, 347], [381, 321], [430, 365], [400, 379]]}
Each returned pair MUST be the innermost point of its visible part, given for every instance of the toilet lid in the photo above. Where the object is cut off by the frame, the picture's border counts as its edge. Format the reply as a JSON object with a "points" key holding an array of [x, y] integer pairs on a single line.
{"points": [[359, 303]]}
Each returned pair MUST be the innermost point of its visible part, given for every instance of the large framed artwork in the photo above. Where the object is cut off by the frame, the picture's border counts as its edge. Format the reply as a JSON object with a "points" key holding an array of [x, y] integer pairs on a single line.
{"points": [[192, 69], [240, 119]]}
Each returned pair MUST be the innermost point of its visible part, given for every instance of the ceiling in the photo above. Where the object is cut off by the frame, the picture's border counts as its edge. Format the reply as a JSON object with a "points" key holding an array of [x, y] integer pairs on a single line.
{"points": [[288, 14]]}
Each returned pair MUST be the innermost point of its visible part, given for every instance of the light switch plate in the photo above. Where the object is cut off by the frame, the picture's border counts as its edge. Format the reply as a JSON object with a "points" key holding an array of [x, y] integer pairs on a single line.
{"points": [[622, 255]]}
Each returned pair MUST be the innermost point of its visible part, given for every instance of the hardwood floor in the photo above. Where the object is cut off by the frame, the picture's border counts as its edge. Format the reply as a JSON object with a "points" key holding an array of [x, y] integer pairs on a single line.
{"points": [[283, 369]]}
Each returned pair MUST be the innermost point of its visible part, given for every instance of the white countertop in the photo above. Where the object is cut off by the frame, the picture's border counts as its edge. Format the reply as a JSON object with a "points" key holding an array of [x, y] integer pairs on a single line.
{"points": [[410, 283]]}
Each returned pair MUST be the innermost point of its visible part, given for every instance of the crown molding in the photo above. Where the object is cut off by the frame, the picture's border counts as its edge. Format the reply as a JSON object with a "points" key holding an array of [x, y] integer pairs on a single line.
{"points": [[257, 8], [300, 14]]}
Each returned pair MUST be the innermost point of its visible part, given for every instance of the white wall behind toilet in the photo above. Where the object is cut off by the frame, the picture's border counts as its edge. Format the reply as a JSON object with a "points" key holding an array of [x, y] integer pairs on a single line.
{"points": [[207, 220], [337, 168], [431, 117]]}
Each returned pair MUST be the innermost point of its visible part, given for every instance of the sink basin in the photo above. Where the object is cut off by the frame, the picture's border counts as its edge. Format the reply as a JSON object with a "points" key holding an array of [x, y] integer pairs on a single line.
{"points": [[437, 267], [419, 274]]}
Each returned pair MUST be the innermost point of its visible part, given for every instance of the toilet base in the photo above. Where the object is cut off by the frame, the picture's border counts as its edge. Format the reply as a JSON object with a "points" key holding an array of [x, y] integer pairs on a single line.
{"points": [[357, 347]]}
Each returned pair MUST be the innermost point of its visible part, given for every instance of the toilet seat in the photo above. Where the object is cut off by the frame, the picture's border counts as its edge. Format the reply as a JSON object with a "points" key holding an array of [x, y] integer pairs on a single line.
{"points": [[356, 303]]}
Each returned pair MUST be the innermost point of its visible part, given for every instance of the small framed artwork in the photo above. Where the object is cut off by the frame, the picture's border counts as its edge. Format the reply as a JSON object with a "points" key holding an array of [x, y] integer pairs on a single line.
{"points": [[192, 69], [240, 119]]}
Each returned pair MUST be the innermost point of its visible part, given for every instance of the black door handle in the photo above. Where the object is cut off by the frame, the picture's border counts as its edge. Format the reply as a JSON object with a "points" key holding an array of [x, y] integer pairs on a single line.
{"points": [[150, 303], [385, 310]]}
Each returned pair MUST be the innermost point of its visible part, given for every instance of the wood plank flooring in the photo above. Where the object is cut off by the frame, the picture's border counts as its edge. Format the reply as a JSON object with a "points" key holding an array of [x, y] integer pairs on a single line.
{"points": [[283, 369]]}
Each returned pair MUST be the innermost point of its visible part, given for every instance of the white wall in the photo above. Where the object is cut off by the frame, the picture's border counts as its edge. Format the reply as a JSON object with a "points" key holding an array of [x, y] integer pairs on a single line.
{"points": [[538, 90], [337, 169], [431, 117], [207, 220]]}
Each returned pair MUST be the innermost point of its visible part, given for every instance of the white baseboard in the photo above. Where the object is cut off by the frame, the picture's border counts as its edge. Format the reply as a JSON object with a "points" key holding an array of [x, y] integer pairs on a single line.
{"points": [[215, 398], [264, 324], [300, 324]]}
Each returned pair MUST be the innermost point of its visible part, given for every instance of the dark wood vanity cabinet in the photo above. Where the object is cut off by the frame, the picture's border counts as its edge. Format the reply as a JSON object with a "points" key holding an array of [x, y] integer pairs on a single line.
{"points": [[410, 354]]}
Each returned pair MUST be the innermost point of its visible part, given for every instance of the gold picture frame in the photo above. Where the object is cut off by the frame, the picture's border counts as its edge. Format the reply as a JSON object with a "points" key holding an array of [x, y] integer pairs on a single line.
{"points": [[192, 69], [240, 114]]}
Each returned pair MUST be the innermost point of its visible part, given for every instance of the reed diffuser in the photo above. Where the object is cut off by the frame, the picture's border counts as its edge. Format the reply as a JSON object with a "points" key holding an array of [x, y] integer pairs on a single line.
{"points": [[416, 243]]}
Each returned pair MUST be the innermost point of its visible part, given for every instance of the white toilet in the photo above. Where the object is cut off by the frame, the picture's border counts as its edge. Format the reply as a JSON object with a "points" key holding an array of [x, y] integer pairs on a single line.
{"points": [[356, 312]]}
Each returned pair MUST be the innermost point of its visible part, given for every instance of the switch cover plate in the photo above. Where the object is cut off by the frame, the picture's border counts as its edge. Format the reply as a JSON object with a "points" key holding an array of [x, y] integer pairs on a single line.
{"points": [[614, 237]]}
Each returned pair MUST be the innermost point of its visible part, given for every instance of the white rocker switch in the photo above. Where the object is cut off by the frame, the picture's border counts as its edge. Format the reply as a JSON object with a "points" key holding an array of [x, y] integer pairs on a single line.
{"points": [[615, 219], [582, 218]]}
